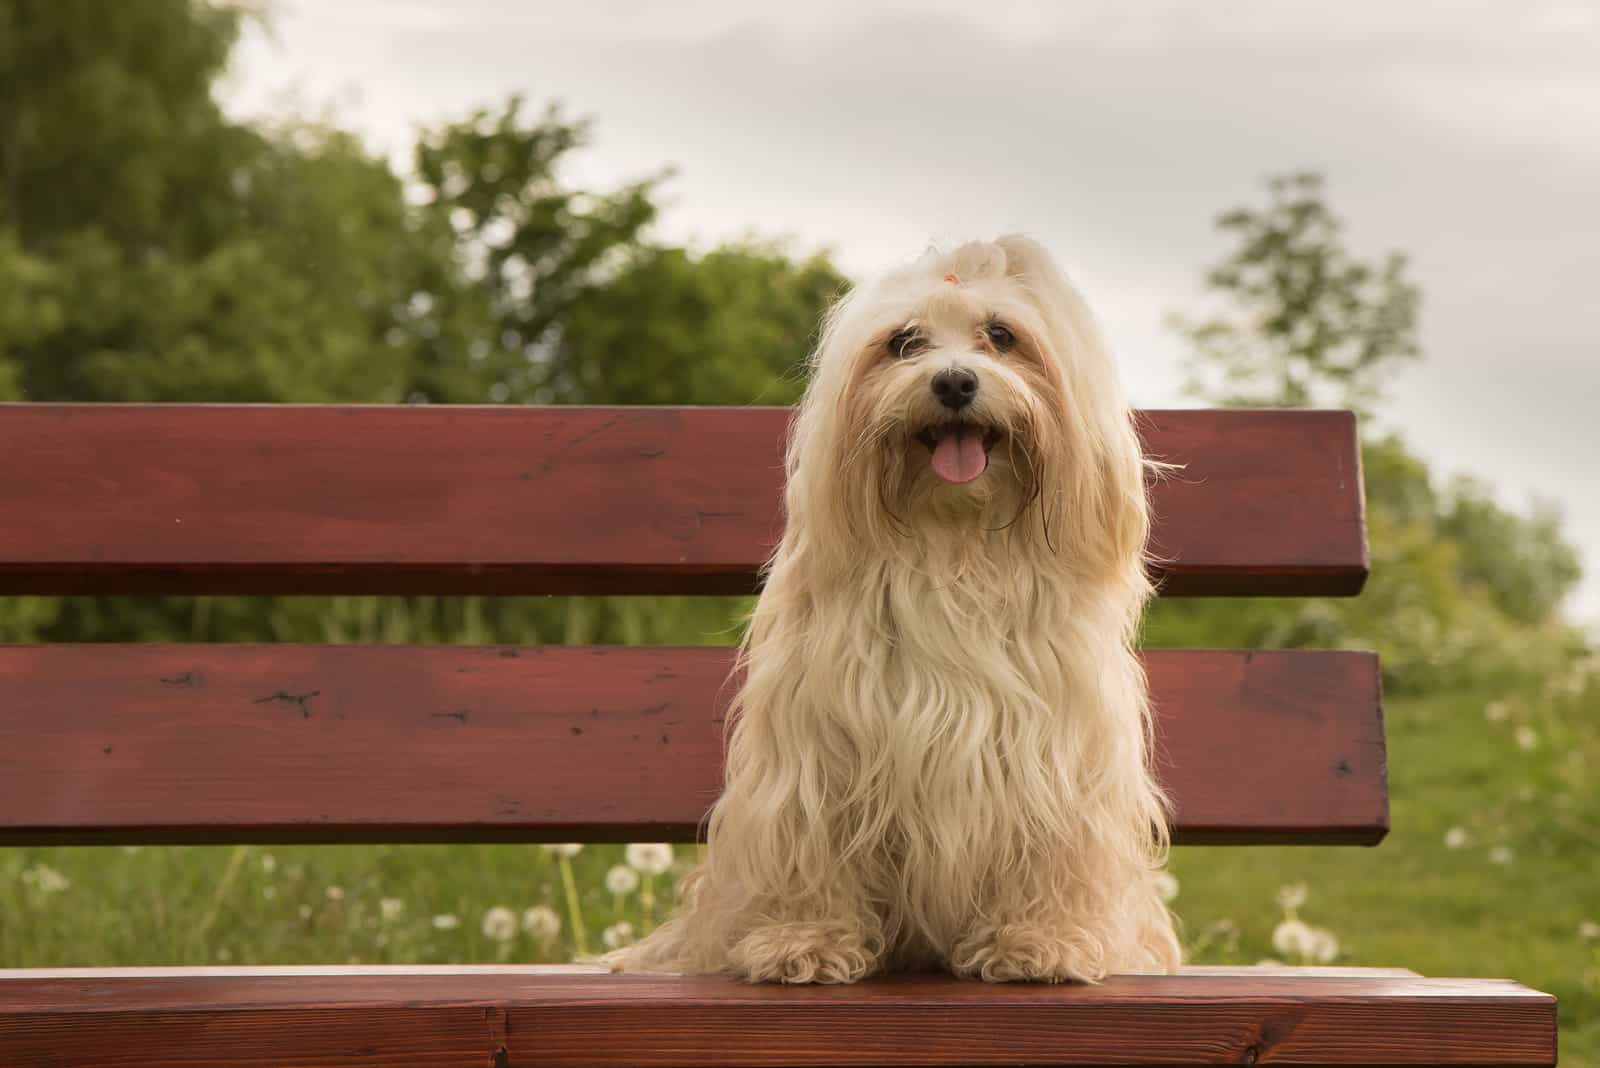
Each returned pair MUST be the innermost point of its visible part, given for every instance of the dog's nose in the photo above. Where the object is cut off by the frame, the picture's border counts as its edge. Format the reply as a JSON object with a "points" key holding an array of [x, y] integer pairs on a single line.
{"points": [[955, 387]]}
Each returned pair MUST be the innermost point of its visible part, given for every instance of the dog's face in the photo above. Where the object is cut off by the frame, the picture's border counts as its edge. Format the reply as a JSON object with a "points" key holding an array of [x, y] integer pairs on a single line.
{"points": [[967, 392]]}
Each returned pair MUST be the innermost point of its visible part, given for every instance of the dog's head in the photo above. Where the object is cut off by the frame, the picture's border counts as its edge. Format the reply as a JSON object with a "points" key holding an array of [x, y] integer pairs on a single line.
{"points": [[967, 393]]}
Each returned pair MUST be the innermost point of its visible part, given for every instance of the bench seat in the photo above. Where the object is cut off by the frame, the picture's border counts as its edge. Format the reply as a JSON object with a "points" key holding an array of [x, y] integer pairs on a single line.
{"points": [[554, 1017]]}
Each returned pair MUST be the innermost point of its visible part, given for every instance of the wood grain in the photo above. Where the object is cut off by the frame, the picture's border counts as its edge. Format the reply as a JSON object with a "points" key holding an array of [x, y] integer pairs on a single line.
{"points": [[589, 1021], [207, 499], [286, 743]]}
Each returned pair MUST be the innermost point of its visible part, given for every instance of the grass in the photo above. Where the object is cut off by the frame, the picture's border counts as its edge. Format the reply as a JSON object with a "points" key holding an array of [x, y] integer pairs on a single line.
{"points": [[1516, 790]]}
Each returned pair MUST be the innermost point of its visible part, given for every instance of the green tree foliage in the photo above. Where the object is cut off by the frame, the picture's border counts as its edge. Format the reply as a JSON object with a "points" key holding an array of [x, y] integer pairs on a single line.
{"points": [[1302, 322], [151, 249], [1463, 591]]}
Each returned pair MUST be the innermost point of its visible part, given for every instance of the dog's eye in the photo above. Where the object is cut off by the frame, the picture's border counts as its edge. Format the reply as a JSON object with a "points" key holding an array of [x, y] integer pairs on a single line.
{"points": [[906, 342], [1000, 336]]}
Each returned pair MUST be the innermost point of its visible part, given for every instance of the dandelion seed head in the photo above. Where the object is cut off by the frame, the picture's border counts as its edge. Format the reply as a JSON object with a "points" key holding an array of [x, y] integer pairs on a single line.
{"points": [[1292, 896], [1456, 838], [446, 921], [1293, 939], [541, 923], [499, 924], [1589, 931], [1527, 738], [617, 935], [1166, 885], [1501, 855], [565, 849], [622, 880], [650, 858], [269, 864], [335, 893], [45, 879], [390, 908]]}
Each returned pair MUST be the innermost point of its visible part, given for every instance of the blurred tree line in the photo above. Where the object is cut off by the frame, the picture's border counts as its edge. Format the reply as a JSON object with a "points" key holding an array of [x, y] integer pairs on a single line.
{"points": [[152, 249]]}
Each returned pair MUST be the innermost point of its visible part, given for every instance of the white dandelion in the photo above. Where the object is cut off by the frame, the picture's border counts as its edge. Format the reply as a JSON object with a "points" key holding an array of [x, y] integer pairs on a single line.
{"points": [[541, 923], [1501, 855], [1496, 712], [1324, 946], [1589, 931], [1166, 885], [617, 935], [622, 880], [446, 921], [269, 864], [45, 879], [1527, 738], [565, 849], [650, 858], [335, 893], [304, 912], [390, 908], [1291, 897], [1291, 938], [1456, 838], [499, 924]]}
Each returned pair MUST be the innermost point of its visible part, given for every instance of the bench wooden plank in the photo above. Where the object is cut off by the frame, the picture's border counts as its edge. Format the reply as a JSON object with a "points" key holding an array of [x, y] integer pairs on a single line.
{"points": [[213, 499], [576, 1020], [285, 743]]}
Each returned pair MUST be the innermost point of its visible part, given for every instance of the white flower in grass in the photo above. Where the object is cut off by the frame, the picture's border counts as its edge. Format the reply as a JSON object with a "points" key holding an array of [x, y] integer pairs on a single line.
{"points": [[1496, 712], [499, 924], [1501, 855], [390, 908], [565, 849], [305, 912], [1324, 946], [622, 880], [1269, 962], [335, 893], [1292, 896], [1527, 739], [1166, 885], [45, 879], [1589, 931], [650, 858], [1456, 838], [224, 954], [617, 935], [541, 923], [1291, 938], [269, 864], [446, 921]]}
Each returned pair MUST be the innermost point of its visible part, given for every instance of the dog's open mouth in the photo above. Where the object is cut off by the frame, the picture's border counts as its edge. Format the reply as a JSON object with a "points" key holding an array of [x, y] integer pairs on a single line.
{"points": [[959, 451]]}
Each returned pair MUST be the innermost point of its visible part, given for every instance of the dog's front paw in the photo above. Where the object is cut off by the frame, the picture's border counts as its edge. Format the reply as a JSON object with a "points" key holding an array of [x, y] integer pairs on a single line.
{"points": [[1020, 952], [803, 953]]}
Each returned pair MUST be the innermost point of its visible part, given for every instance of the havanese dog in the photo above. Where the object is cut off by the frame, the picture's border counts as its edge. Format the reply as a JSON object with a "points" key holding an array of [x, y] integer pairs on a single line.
{"points": [[939, 755]]}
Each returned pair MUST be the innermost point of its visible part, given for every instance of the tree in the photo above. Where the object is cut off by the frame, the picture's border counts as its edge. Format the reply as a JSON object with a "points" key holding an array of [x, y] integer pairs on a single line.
{"points": [[1302, 322], [153, 250], [1463, 592]]}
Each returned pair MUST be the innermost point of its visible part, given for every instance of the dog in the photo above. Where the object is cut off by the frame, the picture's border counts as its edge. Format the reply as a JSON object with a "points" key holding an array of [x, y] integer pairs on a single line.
{"points": [[940, 748]]}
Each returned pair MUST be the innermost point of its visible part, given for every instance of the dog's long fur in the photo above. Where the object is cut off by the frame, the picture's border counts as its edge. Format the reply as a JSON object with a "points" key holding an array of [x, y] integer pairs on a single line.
{"points": [[939, 754]]}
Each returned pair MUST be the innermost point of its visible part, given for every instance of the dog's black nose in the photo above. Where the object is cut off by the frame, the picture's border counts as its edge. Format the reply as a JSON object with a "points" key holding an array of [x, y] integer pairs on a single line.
{"points": [[955, 387]]}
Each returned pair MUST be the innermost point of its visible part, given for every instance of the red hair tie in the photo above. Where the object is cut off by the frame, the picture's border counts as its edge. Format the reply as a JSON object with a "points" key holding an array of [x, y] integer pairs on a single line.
{"points": [[952, 279]]}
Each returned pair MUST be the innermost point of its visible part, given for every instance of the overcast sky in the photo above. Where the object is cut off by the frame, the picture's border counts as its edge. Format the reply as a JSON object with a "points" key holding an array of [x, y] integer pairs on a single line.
{"points": [[1465, 132]]}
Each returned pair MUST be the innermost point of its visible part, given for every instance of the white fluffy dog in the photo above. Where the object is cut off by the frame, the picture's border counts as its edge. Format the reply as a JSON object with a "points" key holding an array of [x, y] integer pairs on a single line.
{"points": [[940, 750]]}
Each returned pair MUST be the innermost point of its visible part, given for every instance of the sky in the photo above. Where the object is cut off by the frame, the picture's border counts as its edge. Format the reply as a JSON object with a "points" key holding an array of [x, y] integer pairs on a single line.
{"points": [[1463, 132]]}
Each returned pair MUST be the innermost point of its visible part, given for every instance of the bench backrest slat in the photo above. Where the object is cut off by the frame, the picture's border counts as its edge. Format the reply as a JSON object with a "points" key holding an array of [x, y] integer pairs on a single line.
{"points": [[287, 743], [217, 499]]}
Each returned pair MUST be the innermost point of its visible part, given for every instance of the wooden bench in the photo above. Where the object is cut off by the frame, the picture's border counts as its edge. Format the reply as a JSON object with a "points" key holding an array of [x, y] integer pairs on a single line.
{"points": [[273, 743]]}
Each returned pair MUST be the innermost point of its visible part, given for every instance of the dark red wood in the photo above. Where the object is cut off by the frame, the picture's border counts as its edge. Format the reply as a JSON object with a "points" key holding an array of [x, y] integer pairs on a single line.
{"points": [[578, 1020], [203, 499], [240, 743]]}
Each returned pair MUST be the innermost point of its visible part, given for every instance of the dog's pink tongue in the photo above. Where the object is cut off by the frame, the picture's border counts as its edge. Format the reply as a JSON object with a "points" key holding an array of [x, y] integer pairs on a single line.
{"points": [[959, 455]]}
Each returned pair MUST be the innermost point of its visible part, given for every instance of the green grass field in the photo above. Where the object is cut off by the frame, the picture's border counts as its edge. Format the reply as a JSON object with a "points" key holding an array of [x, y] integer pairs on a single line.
{"points": [[1492, 869]]}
